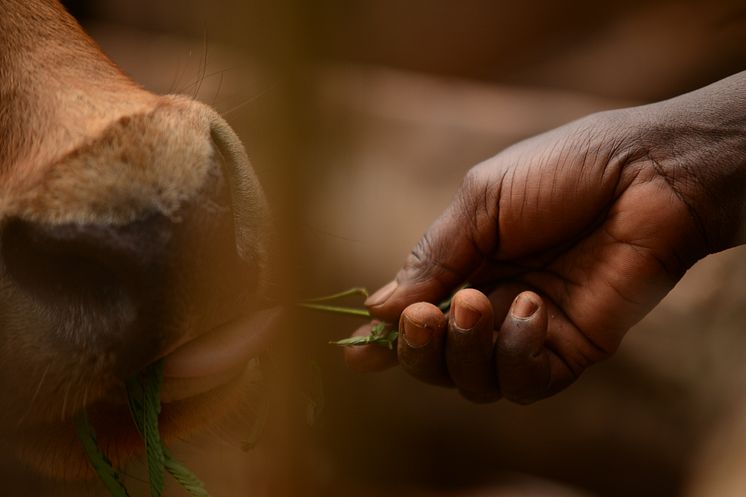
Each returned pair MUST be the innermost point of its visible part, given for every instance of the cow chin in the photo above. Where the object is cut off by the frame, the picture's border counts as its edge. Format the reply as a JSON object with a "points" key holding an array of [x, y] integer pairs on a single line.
{"points": [[232, 408]]}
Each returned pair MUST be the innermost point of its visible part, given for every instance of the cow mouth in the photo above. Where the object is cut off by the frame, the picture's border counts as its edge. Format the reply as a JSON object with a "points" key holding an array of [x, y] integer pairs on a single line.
{"points": [[217, 357], [209, 379]]}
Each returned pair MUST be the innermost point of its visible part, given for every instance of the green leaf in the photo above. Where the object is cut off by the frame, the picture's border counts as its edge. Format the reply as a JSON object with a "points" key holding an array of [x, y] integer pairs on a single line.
{"points": [[379, 335], [352, 341], [377, 331]]}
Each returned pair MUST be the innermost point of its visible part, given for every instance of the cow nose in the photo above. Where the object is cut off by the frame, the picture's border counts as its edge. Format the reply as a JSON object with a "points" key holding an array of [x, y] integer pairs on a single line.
{"points": [[154, 267], [70, 262]]}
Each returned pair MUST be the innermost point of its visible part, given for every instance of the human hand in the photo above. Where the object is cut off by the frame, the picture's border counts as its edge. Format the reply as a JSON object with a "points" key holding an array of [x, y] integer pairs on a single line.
{"points": [[568, 239]]}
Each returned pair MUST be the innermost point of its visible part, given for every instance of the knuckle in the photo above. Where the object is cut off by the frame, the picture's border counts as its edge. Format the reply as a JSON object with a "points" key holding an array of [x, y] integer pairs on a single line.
{"points": [[425, 261]]}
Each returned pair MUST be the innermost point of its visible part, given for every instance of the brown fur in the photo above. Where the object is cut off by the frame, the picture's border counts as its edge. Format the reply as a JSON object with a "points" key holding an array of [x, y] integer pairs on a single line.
{"points": [[83, 145]]}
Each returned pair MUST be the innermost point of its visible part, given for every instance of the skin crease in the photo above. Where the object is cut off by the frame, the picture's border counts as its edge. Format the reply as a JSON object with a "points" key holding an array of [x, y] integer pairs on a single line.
{"points": [[570, 237], [87, 153]]}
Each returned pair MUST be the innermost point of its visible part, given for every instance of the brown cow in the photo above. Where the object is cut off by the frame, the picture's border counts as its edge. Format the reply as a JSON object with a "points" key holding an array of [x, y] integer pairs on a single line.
{"points": [[132, 224]]}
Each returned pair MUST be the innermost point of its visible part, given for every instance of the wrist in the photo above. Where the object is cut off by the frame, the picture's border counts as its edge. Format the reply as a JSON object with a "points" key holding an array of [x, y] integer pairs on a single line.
{"points": [[697, 141]]}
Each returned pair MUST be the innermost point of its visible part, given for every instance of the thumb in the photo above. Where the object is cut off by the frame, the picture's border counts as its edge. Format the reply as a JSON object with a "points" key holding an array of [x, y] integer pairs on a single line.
{"points": [[451, 249]]}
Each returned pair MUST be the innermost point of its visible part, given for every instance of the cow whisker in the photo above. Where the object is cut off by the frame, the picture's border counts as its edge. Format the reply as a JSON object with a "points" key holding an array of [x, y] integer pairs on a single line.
{"points": [[35, 396], [203, 69]]}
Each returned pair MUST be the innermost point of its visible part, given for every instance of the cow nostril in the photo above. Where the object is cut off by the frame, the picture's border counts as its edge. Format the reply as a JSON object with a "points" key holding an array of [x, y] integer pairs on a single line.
{"points": [[190, 256], [72, 262], [131, 290], [193, 251]]}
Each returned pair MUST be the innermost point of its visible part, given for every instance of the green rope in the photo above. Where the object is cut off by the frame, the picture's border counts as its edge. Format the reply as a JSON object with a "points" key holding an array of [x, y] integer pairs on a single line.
{"points": [[143, 394], [101, 464], [186, 478], [144, 397]]}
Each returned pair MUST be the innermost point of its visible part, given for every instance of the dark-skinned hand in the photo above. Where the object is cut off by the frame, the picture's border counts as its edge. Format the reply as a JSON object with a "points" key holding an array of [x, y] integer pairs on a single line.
{"points": [[566, 239]]}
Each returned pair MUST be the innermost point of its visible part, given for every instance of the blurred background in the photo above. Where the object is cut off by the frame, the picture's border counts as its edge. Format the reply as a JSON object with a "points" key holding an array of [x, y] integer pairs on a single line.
{"points": [[361, 118]]}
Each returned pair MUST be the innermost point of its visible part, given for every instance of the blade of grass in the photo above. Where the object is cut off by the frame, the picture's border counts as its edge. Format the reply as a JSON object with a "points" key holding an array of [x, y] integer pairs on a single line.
{"points": [[378, 336], [352, 311], [339, 295]]}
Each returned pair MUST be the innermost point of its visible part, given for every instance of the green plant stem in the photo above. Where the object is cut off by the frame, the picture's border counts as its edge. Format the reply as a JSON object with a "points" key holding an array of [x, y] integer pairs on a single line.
{"points": [[339, 295], [351, 311]]}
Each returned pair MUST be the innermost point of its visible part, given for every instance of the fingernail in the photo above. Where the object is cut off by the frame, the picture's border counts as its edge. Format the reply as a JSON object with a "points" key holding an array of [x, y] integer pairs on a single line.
{"points": [[465, 317], [382, 295], [524, 307], [416, 335]]}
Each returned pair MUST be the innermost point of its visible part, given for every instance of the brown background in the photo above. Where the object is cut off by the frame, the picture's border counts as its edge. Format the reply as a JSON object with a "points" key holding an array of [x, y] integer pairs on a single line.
{"points": [[362, 116]]}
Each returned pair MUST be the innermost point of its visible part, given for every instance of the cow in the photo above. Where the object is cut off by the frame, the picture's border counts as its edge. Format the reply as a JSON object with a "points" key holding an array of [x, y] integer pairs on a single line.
{"points": [[132, 230]]}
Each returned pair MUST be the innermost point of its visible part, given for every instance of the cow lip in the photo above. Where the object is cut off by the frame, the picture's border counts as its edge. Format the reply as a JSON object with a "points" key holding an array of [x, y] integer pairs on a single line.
{"points": [[215, 358]]}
